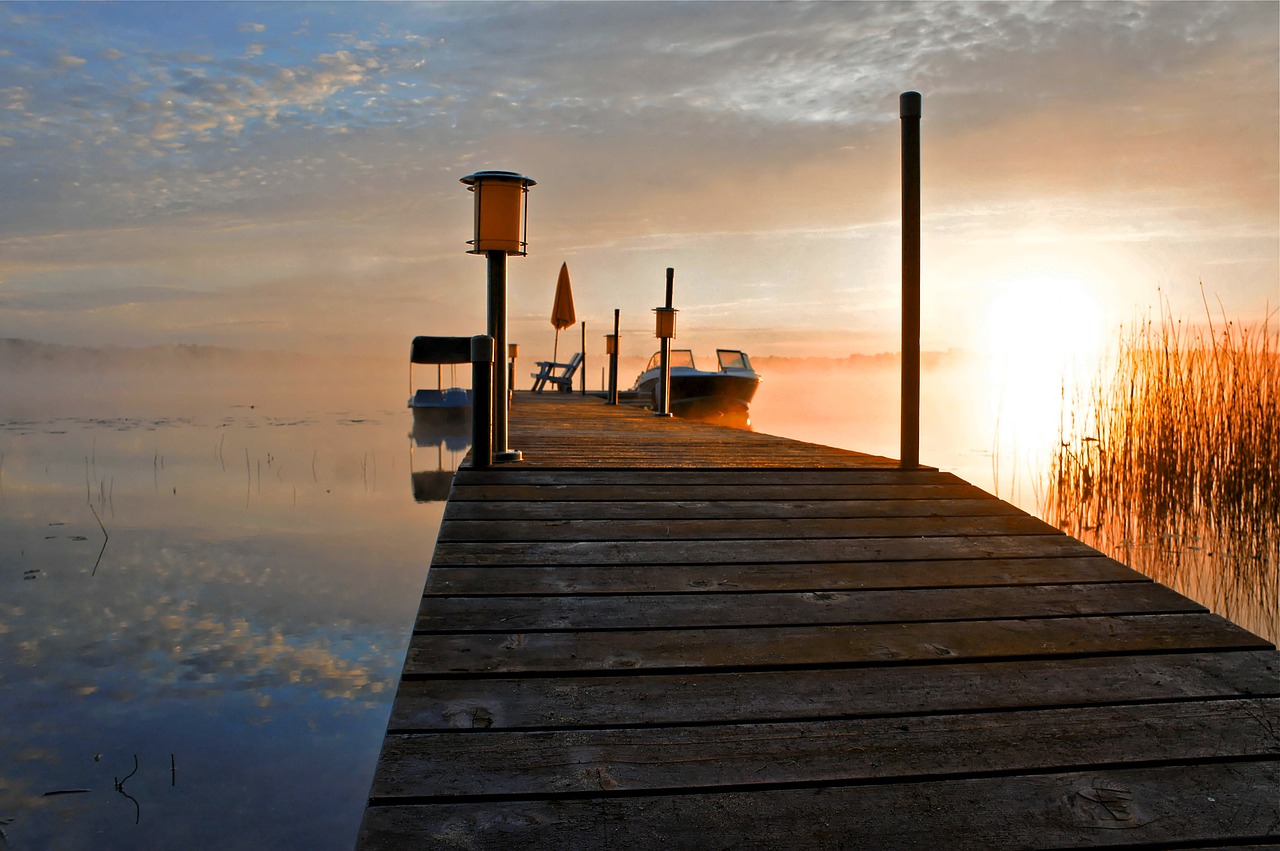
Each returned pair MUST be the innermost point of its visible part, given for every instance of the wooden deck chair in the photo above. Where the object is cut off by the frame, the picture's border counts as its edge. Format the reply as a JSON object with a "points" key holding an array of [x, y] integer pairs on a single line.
{"points": [[558, 374]]}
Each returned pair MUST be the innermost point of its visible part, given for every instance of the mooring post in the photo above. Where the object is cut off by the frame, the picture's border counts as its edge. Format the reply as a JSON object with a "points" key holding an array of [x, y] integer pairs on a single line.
{"points": [[613, 360], [482, 401], [910, 112], [666, 331]]}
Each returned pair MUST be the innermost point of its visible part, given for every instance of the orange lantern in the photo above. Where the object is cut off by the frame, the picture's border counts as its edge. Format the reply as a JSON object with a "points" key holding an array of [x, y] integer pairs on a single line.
{"points": [[666, 323], [502, 204]]}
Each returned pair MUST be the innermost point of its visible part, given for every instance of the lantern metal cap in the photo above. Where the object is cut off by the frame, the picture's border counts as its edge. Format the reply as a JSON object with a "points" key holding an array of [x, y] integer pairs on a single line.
{"points": [[508, 176]]}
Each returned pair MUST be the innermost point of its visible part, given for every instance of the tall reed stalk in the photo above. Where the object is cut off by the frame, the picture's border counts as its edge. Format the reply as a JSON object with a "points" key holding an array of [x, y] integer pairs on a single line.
{"points": [[1171, 463]]}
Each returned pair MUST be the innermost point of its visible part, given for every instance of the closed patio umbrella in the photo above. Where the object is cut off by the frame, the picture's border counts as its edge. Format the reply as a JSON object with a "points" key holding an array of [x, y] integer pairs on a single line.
{"points": [[562, 315]]}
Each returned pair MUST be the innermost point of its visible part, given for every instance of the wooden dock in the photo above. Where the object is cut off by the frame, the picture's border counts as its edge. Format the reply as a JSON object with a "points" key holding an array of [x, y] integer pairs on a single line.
{"points": [[658, 634]]}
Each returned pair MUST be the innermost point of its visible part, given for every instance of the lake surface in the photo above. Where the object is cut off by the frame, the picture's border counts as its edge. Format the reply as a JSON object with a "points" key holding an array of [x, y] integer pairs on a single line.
{"points": [[220, 582], [239, 634]]}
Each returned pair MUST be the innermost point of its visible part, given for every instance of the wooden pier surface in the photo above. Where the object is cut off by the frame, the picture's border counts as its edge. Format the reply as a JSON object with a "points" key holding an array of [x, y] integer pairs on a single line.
{"points": [[658, 634]]}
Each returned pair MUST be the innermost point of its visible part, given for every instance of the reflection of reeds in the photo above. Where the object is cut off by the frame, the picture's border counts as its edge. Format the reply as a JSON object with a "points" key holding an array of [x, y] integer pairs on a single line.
{"points": [[1172, 463]]}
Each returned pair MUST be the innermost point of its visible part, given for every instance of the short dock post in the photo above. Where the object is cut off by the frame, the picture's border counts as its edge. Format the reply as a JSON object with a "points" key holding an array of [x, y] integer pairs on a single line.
{"points": [[910, 111], [611, 348], [482, 402], [666, 332]]}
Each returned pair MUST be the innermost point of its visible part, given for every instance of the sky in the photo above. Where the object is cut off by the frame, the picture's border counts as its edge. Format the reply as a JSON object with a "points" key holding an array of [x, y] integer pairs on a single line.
{"points": [[286, 175]]}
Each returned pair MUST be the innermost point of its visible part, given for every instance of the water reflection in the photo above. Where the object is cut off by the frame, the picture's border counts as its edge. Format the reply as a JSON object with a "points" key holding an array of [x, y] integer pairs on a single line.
{"points": [[225, 597], [444, 430]]}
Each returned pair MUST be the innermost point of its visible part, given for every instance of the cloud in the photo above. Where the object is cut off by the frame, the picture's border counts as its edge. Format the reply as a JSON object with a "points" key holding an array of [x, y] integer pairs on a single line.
{"points": [[723, 135]]}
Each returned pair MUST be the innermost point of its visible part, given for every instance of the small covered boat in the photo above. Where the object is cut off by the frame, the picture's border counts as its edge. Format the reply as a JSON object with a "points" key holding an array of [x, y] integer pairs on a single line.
{"points": [[451, 404], [694, 391]]}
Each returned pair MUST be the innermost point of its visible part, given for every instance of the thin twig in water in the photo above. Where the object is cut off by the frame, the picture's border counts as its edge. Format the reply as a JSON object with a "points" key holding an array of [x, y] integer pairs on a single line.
{"points": [[137, 809]]}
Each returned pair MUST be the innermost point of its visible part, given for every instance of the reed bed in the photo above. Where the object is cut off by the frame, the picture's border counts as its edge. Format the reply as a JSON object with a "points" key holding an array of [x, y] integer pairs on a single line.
{"points": [[1170, 462]]}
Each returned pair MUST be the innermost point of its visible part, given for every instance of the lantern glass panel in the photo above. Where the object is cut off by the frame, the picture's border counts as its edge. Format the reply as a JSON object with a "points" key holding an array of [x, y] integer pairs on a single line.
{"points": [[666, 323], [498, 212]]}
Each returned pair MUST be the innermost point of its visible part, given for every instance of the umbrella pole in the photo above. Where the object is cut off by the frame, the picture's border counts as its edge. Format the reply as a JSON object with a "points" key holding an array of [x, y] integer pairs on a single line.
{"points": [[555, 349]]}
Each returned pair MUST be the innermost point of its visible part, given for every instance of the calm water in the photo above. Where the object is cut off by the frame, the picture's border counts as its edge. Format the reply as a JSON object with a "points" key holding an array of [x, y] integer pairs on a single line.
{"points": [[240, 633], [240, 626]]}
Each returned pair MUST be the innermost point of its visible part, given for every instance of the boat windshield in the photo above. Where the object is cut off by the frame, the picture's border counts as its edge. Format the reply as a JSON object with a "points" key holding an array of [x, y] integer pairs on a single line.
{"points": [[731, 359], [679, 357]]}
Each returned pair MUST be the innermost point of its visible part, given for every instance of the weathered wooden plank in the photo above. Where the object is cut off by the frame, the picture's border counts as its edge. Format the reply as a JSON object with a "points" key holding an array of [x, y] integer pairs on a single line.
{"points": [[691, 697], [442, 765], [794, 646], [728, 510], [690, 611], [1106, 807], [831, 576], [751, 493], [781, 551], [797, 479], [807, 529]]}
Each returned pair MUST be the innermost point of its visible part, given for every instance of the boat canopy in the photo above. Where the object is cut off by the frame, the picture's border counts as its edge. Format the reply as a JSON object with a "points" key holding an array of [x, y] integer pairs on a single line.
{"points": [[440, 350]]}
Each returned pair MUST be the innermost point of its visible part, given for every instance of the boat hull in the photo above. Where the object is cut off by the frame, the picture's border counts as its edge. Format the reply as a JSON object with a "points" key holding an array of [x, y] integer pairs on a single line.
{"points": [[705, 389]]}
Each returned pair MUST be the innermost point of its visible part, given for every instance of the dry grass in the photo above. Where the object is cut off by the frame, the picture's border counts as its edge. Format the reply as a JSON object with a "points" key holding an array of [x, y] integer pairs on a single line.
{"points": [[1171, 463]]}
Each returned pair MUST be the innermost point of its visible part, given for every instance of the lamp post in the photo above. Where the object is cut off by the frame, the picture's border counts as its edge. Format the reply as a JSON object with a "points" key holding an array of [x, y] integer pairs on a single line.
{"points": [[665, 330], [501, 207]]}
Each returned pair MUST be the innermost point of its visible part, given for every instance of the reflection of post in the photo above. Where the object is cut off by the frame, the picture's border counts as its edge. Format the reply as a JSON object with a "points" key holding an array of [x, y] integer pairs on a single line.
{"points": [[666, 330], [910, 111]]}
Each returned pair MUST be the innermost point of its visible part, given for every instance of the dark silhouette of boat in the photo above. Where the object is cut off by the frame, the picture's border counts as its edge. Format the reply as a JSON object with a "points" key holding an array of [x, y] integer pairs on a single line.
{"points": [[696, 392]]}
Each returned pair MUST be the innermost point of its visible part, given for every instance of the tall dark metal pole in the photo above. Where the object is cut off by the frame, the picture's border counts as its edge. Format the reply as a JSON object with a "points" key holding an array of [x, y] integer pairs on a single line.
{"points": [[498, 331], [910, 112]]}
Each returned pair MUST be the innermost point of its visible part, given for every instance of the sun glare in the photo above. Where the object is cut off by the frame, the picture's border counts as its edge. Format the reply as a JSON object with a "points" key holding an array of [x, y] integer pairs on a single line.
{"points": [[1043, 335]]}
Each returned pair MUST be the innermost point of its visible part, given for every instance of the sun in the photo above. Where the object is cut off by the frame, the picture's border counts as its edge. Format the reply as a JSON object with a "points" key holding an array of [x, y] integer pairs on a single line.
{"points": [[1043, 338]]}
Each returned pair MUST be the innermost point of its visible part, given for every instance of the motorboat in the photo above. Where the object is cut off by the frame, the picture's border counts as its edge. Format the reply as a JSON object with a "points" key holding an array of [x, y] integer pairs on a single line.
{"points": [[695, 392]]}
